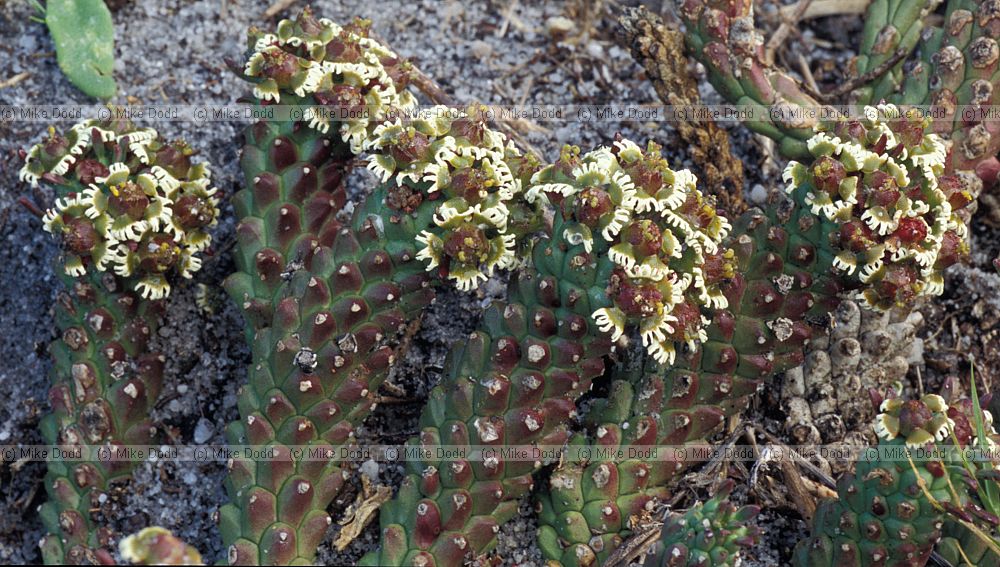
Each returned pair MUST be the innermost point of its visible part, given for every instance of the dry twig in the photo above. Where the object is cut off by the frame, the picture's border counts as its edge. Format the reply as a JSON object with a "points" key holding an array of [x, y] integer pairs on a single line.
{"points": [[660, 51]]}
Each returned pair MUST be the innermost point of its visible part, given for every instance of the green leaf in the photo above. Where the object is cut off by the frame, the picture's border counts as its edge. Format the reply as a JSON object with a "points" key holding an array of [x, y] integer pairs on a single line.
{"points": [[85, 44], [990, 492]]}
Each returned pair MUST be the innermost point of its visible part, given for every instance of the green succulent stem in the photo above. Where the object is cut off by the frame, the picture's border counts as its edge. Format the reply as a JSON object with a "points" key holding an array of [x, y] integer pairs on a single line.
{"points": [[315, 372], [129, 212], [512, 382], [782, 291], [892, 30], [104, 383], [722, 37]]}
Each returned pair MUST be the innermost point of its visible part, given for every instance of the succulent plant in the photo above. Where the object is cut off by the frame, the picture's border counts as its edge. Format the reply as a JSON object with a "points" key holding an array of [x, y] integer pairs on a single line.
{"points": [[294, 169], [590, 506], [326, 302], [892, 509], [722, 37], [158, 546], [625, 226], [129, 211], [785, 271], [711, 533], [956, 73]]}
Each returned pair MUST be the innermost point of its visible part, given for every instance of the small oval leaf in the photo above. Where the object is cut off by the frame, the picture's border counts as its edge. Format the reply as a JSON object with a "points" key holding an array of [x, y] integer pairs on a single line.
{"points": [[84, 37]]}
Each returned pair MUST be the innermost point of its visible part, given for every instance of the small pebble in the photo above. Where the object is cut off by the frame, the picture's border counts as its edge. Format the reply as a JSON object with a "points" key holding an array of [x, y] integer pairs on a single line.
{"points": [[559, 26], [370, 469], [203, 431]]}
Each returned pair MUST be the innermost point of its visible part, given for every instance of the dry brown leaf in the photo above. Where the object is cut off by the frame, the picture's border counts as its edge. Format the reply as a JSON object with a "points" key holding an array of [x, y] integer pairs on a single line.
{"points": [[359, 514]]}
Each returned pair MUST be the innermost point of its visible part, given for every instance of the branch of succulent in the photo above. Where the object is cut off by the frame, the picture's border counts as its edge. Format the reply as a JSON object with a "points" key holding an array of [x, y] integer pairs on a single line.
{"points": [[825, 400], [722, 37], [893, 509], [955, 71], [158, 546], [129, 211], [294, 169], [591, 507], [786, 270], [628, 241], [956, 75], [711, 533], [125, 202], [892, 30], [443, 215]]}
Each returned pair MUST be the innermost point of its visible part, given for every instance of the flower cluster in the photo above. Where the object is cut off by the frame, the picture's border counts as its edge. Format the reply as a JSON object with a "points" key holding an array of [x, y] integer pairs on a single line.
{"points": [[652, 222], [920, 421], [452, 158], [126, 200], [880, 178], [339, 72]]}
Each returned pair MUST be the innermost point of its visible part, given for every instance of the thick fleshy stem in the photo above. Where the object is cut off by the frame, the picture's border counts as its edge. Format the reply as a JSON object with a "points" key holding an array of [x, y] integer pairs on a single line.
{"points": [[711, 533], [625, 228], [787, 275], [892, 509], [441, 216], [105, 382], [294, 169], [956, 76], [892, 30], [126, 204], [722, 37]]}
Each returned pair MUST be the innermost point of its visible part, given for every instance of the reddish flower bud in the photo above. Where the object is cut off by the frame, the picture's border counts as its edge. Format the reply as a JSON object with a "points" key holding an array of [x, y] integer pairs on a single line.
{"points": [[308, 23], [644, 236], [913, 415], [80, 236], [55, 145], [175, 158], [591, 204], [467, 244], [346, 99], [827, 174], [470, 183], [89, 169], [851, 130], [470, 127], [911, 230], [158, 255], [964, 430], [897, 283], [646, 176], [409, 147], [639, 300], [193, 212], [953, 249], [281, 66], [856, 236], [129, 199], [688, 321], [718, 267]]}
